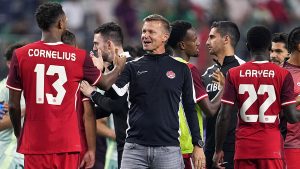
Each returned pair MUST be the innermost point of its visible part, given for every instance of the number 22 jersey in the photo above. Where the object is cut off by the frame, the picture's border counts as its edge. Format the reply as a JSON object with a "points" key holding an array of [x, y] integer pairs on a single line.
{"points": [[259, 89], [49, 75]]}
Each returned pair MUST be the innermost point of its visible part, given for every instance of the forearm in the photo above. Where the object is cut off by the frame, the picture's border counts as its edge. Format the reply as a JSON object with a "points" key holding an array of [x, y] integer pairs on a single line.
{"points": [[90, 127], [103, 130], [222, 124], [108, 79], [15, 117]]}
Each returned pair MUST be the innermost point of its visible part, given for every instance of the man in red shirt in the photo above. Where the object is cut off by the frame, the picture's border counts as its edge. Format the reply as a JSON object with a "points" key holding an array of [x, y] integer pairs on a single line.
{"points": [[260, 89], [292, 140], [49, 72]]}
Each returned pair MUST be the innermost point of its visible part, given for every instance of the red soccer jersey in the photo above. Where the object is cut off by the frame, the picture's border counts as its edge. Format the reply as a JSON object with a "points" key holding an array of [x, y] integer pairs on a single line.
{"points": [[49, 75], [259, 89], [198, 85], [292, 139]]}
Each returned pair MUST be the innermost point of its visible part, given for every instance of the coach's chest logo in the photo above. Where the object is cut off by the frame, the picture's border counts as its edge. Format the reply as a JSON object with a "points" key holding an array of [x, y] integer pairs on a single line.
{"points": [[170, 74]]}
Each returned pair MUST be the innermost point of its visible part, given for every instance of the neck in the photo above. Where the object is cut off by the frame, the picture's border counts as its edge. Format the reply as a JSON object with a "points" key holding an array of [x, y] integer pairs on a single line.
{"points": [[229, 51], [181, 54], [159, 50], [294, 58], [260, 56], [51, 37]]}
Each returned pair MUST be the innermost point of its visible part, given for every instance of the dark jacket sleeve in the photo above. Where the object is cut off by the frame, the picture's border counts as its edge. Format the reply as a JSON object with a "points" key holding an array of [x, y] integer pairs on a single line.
{"points": [[189, 106], [106, 105]]}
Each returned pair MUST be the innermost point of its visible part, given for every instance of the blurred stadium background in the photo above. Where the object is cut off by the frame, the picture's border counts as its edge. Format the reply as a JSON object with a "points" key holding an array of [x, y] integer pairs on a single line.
{"points": [[17, 22]]}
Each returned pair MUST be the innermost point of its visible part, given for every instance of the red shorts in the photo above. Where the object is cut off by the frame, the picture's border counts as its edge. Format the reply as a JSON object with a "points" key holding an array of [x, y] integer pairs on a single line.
{"points": [[259, 164], [292, 158], [187, 159], [49, 161]]}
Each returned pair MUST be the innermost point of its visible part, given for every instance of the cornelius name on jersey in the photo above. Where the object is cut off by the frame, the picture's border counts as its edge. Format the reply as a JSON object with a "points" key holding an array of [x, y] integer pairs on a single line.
{"points": [[52, 54], [257, 73]]}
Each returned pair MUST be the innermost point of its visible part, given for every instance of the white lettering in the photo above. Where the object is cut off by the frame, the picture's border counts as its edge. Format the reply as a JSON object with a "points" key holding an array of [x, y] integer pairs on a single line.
{"points": [[257, 73], [52, 54]]}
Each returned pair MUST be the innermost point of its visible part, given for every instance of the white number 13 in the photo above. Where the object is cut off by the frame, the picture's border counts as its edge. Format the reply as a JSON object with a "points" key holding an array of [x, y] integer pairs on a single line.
{"points": [[57, 85], [249, 88]]}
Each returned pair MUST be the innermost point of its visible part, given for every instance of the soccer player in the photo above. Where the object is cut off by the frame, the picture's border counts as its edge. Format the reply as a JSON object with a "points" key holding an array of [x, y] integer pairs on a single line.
{"points": [[279, 49], [292, 140], [261, 90], [49, 72], [184, 42], [86, 118], [221, 43]]}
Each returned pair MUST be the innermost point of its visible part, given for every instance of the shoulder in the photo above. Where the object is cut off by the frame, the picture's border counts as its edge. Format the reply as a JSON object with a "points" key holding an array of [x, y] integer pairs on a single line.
{"points": [[239, 60], [210, 70]]}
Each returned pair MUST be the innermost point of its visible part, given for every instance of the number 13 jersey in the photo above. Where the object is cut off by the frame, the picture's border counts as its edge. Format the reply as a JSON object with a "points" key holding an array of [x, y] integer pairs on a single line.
{"points": [[49, 75], [259, 89]]}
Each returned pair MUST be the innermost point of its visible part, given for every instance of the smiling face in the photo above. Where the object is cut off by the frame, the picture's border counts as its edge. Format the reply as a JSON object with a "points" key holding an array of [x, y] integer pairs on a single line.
{"points": [[215, 42], [154, 37]]}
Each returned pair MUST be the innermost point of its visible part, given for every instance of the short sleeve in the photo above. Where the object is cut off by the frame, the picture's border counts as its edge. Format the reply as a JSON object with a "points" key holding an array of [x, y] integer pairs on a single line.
{"points": [[91, 73], [287, 95], [229, 95], [122, 84], [198, 85]]}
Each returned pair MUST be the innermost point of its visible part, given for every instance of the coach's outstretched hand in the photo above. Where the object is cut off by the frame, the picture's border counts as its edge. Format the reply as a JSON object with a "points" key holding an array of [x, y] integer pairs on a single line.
{"points": [[199, 158], [86, 88]]}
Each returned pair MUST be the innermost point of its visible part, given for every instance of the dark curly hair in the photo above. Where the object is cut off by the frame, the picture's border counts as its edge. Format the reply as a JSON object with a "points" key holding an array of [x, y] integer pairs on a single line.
{"points": [[259, 39], [178, 31], [47, 14]]}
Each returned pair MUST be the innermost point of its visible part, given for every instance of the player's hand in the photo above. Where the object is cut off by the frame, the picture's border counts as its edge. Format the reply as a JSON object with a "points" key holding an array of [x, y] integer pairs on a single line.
{"points": [[98, 61], [218, 160], [119, 60], [88, 160], [198, 158], [218, 77], [86, 88]]}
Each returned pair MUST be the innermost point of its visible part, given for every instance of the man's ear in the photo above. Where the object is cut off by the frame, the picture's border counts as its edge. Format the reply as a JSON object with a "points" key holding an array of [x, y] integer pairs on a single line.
{"points": [[181, 45], [110, 45], [166, 37], [60, 23], [227, 39]]}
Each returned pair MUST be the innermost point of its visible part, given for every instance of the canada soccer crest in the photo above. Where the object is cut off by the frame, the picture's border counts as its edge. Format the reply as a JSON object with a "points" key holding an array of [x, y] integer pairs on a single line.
{"points": [[170, 74]]}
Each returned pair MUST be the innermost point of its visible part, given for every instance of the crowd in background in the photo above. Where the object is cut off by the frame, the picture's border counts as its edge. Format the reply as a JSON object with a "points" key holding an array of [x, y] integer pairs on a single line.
{"points": [[17, 21]]}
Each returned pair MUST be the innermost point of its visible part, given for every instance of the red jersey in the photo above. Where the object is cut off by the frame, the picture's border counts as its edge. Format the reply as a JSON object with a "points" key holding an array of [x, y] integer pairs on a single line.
{"points": [[259, 89], [49, 75], [292, 139], [198, 85]]}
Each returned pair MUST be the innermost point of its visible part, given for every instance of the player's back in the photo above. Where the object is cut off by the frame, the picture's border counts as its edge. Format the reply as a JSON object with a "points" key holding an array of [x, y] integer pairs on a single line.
{"points": [[261, 90], [49, 74]]}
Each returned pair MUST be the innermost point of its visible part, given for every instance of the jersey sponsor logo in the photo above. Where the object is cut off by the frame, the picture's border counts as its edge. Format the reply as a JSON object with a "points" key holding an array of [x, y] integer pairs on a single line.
{"points": [[212, 87], [141, 72], [170, 74]]}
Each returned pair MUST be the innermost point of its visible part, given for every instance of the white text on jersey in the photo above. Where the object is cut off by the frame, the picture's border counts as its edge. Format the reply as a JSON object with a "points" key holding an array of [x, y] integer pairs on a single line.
{"points": [[52, 54], [257, 73]]}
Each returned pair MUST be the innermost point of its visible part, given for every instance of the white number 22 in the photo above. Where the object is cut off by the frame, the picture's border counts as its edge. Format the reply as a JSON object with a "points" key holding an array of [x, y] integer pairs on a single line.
{"points": [[57, 85], [249, 88]]}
